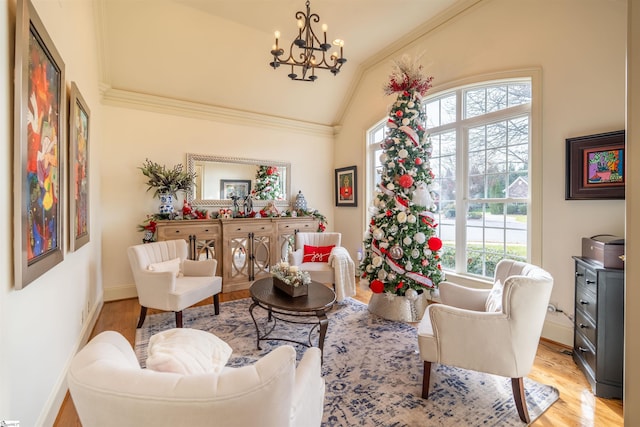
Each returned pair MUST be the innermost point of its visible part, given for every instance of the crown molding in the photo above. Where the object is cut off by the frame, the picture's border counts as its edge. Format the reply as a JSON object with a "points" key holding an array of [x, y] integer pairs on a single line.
{"points": [[175, 107]]}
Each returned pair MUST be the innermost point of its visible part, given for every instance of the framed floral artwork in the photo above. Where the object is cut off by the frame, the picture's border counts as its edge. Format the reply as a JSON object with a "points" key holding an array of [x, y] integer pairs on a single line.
{"points": [[40, 129], [596, 166], [346, 186], [78, 169]]}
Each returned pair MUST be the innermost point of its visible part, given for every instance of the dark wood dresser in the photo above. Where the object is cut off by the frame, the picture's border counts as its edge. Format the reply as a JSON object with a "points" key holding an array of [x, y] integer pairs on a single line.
{"points": [[598, 344]]}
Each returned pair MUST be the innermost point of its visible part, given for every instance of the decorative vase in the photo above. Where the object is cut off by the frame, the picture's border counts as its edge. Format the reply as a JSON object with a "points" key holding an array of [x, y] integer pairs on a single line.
{"points": [[292, 291], [399, 308], [300, 203], [166, 203]]}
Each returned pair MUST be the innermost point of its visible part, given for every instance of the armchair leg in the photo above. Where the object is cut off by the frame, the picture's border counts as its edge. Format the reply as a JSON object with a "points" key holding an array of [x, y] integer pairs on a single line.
{"points": [[178, 319], [426, 376], [517, 385], [216, 304], [143, 314]]}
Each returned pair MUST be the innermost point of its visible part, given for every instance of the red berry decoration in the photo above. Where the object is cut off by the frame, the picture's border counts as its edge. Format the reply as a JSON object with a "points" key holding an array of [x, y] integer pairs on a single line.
{"points": [[399, 113], [418, 161], [405, 181]]}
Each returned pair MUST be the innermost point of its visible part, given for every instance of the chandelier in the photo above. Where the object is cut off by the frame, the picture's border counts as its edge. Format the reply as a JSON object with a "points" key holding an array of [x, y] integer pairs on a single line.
{"points": [[307, 51]]}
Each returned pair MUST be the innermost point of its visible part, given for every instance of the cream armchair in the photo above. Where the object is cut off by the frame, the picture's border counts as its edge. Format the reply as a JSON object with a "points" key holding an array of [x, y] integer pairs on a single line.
{"points": [[109, 388], [166, 280], [338, 269], [494, 331]]}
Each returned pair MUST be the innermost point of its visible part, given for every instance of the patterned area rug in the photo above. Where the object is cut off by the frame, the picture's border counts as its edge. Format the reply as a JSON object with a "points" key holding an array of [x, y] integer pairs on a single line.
{"points": [[372, 369]]}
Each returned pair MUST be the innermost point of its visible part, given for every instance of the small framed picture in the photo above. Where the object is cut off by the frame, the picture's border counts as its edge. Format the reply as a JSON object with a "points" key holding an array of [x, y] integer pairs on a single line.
{"points": [[234, 187], [596, 167], [346, 186]]}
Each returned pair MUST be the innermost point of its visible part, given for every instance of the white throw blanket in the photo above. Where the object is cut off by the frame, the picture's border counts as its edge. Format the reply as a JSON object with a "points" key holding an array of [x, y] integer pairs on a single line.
{"points": [[345, 273]]}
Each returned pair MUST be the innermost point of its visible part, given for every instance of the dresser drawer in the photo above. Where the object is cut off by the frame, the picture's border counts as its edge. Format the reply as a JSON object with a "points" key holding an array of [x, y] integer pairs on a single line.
{"points": [[305, 226], [587, 301], [204, 231], [585, 351], [248, 228], [586, 327]]}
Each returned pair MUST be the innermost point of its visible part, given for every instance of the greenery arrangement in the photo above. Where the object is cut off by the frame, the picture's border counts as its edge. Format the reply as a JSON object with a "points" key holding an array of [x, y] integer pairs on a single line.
{"points": [[165, 180]]}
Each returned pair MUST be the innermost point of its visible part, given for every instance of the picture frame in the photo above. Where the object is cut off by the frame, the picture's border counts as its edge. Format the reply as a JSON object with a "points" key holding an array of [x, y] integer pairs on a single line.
{"points": [[596, 166], [346, 186], [237, 187], [40, 104], [79, 115]]}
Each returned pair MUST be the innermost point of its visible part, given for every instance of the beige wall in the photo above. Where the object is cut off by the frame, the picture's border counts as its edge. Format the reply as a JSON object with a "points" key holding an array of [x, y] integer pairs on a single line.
{"points": [[41, 325], [583, 92], [166, 139]]}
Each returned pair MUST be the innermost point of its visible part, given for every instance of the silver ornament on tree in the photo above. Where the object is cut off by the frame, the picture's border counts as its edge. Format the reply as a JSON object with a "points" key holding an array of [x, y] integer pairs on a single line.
{"points": [[411, 294], [396, 251]]}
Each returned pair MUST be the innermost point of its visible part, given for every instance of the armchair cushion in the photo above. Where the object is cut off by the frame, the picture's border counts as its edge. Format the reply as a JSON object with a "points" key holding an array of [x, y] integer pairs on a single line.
{"points": [[316, 253], [187, 352], [202, 268], [172, 265], [494, 300]]}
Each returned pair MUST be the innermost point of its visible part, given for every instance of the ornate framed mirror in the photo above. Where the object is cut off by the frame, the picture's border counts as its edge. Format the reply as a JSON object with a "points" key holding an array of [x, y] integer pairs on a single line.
{"points": [[218, 177]]}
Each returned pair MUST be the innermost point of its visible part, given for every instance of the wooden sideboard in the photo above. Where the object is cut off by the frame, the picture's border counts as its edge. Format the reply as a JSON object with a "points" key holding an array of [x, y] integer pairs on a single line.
{"points": [[244, 247]]}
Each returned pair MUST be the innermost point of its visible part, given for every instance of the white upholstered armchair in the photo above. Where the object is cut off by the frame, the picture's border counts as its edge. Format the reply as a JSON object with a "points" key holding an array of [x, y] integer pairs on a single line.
{"points": [[322, 255], [496, 331], [109, 388], [166, 280]]}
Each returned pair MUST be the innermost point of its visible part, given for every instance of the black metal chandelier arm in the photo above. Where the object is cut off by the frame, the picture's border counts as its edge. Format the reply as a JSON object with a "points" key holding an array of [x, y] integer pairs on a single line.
{"points": [[309, 44]]}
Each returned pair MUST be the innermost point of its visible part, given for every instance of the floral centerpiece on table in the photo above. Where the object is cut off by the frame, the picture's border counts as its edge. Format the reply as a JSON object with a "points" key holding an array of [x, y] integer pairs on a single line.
{"points": [[290, 274]]}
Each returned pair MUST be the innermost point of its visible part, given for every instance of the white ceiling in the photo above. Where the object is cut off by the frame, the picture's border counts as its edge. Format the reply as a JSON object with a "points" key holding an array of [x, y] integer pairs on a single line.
{"points": [[216, 52]]}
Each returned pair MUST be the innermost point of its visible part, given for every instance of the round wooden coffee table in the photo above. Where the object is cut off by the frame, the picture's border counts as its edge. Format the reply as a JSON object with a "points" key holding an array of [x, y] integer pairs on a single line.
{"points": [[283, 307]]}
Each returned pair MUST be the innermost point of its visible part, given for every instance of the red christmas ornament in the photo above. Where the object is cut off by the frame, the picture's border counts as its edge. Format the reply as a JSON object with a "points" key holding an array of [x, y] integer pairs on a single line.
{"points": [[269, 171], [399, 113], [377, 287], [418, 161], [424, 262], [389, 213], [434, 243], [405, 181]]}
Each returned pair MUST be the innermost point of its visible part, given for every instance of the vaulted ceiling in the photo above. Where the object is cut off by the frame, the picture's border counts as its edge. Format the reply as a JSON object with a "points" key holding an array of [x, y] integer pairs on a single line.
{"points": [[216, 52]]}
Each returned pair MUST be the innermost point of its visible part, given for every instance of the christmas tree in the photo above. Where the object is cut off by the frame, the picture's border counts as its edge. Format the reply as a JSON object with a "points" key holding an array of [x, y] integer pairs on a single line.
{"points": [[401, 250], [267, 184]]}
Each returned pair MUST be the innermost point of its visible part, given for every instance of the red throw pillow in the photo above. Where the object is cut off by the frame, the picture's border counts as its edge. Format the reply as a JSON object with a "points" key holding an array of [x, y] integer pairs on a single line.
{"points": [[316, 253]]}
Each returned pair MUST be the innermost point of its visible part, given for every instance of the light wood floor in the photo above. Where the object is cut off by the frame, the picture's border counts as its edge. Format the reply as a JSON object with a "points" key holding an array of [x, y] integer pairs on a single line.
{"points": [[577, 405]]}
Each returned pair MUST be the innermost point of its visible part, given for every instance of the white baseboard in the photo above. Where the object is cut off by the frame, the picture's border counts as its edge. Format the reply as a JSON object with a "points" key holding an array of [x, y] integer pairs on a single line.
{"points": [[562, 334], [115, 293]]}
